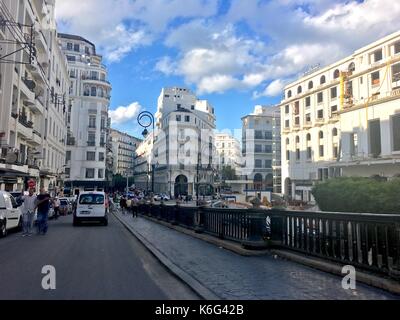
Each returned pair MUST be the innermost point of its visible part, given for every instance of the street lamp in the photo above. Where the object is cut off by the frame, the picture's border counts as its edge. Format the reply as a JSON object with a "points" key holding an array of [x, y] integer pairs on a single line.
{"points": [[150, 118]]}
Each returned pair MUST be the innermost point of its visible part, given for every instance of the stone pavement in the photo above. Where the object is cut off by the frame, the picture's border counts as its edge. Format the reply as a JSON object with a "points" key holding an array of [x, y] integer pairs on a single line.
{"points": [[231, 276]]}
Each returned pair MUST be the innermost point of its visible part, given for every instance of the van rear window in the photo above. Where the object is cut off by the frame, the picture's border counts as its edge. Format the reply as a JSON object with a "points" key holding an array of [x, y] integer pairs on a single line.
{"points": [[91, 199]]}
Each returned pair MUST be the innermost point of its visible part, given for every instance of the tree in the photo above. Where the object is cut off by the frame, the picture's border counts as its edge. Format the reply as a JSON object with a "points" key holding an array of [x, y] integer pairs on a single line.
{"points": [[228, 173], [119, 182]]}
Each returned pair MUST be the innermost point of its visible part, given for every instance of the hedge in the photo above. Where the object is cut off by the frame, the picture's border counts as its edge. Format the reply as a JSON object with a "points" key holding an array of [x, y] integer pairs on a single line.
{"points": [[360, 195]]}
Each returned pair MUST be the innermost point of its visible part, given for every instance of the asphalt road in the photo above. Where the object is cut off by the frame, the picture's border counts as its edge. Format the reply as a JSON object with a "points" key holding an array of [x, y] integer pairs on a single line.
{"points": [[91, 262]]}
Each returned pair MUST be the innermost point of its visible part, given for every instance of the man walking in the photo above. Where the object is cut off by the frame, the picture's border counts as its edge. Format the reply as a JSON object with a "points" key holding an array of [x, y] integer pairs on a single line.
{"points": [[43, 206], [28, 212], [56, 204]]}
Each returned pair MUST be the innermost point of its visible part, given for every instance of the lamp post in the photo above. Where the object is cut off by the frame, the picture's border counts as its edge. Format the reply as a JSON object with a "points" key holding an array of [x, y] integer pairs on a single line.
{"points": [[142, 116]]}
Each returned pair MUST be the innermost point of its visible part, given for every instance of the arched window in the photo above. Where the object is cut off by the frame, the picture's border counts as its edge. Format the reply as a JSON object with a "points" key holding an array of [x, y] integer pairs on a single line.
{"points": [[299, 89], [322, 80], [321, 135], [310, 85], [352, 67], [297, 139], [334, 132], [308, 137], [289, 94], [336, 74]]}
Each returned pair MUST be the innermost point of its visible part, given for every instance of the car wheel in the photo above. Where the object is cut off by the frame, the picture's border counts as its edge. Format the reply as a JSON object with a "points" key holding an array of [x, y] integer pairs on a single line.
{"points": [[3, 228]]}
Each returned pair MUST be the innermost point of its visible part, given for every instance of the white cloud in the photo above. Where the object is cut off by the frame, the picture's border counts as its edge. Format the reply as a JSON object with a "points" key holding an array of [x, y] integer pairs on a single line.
{"points": [[125, 114], [119, 27], [275, 88]]}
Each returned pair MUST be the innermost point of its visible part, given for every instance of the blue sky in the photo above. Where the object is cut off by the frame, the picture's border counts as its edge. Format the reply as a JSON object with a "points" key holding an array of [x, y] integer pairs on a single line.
{"points": [[234, 53]]}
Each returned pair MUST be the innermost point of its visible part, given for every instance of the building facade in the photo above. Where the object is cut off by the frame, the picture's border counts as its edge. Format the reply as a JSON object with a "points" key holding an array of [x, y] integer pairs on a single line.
{"points": [[183, 156], [261, 149], [34, 93], [124, 152], [343, 120], [88, 115], [228, 150]]}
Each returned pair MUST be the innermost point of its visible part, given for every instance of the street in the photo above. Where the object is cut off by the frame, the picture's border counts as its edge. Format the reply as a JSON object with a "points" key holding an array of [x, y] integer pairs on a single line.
{"points": [[91, 262]]}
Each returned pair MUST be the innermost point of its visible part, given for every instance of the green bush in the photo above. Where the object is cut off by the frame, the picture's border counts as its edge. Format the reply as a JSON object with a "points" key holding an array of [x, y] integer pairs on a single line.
{"points": [[360, 195]]}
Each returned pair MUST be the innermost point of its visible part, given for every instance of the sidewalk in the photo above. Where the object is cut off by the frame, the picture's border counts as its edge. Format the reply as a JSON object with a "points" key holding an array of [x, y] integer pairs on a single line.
{"points": [[225, 275]]}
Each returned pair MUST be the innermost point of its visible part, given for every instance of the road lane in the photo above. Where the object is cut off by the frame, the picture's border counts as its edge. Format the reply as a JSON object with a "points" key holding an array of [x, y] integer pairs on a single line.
{"points": [[91, 262]]}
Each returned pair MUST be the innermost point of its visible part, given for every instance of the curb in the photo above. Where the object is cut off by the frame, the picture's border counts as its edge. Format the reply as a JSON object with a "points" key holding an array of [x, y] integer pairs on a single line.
{"points": [[228, 245], [199, 288], [334, 268]]}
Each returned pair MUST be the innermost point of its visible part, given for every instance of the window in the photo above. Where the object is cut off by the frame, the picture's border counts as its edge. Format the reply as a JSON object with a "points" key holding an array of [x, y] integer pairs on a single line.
{"points": [[67, 172], [297, 154], [178, 118], [320, 97], [258, 134], [396, 72], [378, 55], [396, 132], [76, 48], [352, 67], [71, 58], [287, 155], [92, 138], [192, 107], [68, 156], [310, 85], [91, 156], [297, 107], [334, 109], [335, 151], [321, 151], [91, 198], [321, 135], [333, 93], [87, 51], [297, 139], [299, 89], [308, 101], [335, 132], [268, 135], [258, 148], [92, 122], [374, 129], [322, 80], [309, 153], [93, 91], [101, 173], [89, 175], [258, 164], [268, 164], [320, 114], [375, 81], [336, 74], [268, 148], [397, 47], [308, 117], [308, 137], [297, 121], [101, 157], [187, 118], [178, 106], [287, 110], [69, 46], [287, 124], [354, 144], [289, 94]]}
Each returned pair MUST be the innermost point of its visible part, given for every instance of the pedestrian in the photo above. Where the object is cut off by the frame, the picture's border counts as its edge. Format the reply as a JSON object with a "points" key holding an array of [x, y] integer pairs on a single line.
{"points": [[135, 207], [43, 207], [122, 204], [28, 212], [56, 205]]}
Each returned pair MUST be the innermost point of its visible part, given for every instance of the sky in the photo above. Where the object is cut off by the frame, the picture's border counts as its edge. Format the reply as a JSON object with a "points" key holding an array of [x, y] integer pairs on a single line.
{"points": [[234, 53]]}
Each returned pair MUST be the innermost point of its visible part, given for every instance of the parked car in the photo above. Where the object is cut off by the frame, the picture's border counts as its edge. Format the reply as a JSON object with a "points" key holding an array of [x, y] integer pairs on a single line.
{"points": [[17, 196], [91, 206], [162, 196], [10, 213]]}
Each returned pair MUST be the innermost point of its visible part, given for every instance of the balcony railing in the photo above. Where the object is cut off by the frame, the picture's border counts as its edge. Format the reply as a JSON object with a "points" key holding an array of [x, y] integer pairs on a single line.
{"points": [[91, 143], [23, 119]]}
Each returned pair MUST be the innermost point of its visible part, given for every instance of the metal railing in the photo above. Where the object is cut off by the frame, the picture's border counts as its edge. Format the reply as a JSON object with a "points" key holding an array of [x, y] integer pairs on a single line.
{"points": [[367, 241]]}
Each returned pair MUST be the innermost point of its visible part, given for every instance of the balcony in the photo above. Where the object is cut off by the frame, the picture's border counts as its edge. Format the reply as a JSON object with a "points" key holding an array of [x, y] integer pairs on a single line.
{"points": [[25, 127], [40, 41], [38, 106], [96, 80], [296, 127], [334, 118], [27, 87], [286, 130], [36, 138], [71, 141], [319, 122], [91, 143], [91, 128], [307, 125]]}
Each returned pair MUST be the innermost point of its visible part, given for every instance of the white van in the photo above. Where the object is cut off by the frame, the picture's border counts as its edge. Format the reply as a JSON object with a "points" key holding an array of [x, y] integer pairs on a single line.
{"points": [[10, 213], [91, 206]]}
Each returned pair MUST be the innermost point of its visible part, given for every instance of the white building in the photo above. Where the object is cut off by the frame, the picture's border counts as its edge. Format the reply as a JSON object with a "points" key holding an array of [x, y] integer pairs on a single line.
{"points": [[33, 94], [343, 120], [88, 119], [184, 152], [229, 151], [124, 152], [261, 149]]}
